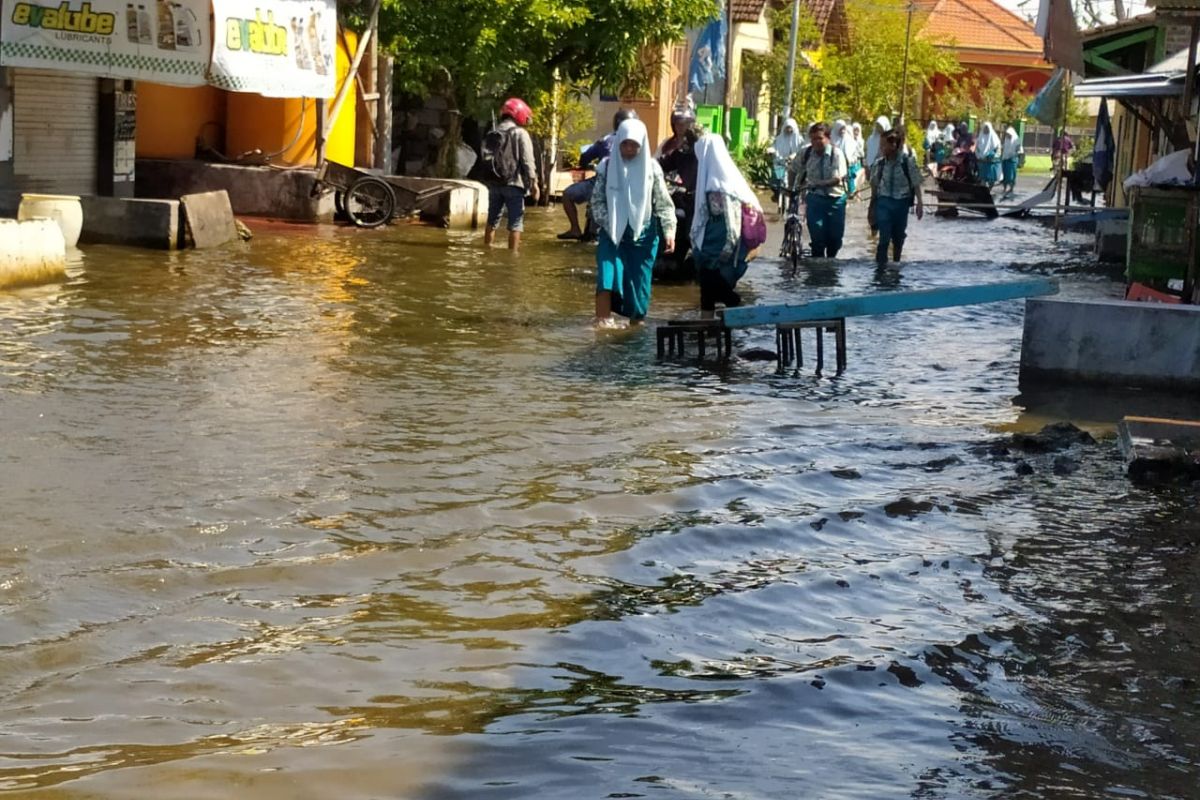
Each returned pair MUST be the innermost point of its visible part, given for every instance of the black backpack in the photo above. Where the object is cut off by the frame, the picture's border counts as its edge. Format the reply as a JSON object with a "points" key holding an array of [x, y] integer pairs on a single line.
{"points": [[499, 156]]}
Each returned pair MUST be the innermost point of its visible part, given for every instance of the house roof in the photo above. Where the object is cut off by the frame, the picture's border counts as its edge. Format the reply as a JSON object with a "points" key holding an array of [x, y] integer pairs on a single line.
{"points": [[746, 10], [1149, 19], [979, 25]]}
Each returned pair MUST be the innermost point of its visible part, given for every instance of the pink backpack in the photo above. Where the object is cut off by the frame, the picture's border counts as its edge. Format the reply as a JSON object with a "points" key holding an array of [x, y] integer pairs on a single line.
{"points": [[754, 228]]}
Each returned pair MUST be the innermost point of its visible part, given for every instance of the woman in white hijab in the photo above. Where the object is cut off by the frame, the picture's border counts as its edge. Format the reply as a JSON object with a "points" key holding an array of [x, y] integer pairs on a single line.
{"points": [[843, 137], [787, 145], [987, 150], [882, 126], [633, 210], [717, 242], [1010, 159]]}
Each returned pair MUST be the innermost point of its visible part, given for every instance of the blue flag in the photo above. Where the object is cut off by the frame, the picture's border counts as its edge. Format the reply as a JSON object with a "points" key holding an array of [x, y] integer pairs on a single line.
{"points": [[708, 59], [1103, 155]]}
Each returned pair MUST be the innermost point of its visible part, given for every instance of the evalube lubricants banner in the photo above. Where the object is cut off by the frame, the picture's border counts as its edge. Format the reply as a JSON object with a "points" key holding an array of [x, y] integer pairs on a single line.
{"points": [[277, 48], [164, 41]]}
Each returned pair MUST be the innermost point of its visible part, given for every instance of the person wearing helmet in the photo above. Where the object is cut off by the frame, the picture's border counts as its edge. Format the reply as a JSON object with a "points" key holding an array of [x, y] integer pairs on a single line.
{"points": [[580, 193], [677, 157], [509, 170]]}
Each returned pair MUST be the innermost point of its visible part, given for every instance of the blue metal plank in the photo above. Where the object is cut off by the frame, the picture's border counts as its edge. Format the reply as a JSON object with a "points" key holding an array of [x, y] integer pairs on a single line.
{"points": [[888, 303]]}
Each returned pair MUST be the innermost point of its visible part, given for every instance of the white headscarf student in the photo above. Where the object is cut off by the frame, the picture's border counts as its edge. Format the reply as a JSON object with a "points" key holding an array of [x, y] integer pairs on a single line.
{"points": [[932, 133], [788, 143], [633, 210], [1010, 158], [948, 134], [882, 126], [859, 142], [717, 245], [988, 143], [838, 135]]}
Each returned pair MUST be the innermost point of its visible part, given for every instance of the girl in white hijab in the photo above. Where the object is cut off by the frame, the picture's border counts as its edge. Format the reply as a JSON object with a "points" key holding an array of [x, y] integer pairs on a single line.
{"points": [[787, 145], [882, 126], [987, 150], [633, 210], [1010, 159], [717, 242], [843, 137]]}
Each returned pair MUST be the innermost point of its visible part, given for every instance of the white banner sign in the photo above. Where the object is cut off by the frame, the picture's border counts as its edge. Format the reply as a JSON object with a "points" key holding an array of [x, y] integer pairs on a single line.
{"points": [[277, 48], [162, 41]]}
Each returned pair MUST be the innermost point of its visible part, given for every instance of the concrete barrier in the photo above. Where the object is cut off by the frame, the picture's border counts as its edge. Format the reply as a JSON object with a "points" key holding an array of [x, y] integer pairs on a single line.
{"points": [[138, 223], [255, 191], [1114, 342], [31, 252]]}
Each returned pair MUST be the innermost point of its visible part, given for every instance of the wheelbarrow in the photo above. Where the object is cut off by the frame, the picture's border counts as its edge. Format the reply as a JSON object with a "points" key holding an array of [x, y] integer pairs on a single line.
{"points": [[366, 199]]}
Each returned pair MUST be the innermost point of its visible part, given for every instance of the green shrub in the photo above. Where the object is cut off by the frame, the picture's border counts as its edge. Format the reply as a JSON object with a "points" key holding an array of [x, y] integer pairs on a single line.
{"points": [[756, 165]]}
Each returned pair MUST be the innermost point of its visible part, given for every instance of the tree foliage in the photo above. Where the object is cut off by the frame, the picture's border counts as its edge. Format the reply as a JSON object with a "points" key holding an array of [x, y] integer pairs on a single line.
{"points": [[485, 49], [864, 81], [808, 85], [968, 96]]}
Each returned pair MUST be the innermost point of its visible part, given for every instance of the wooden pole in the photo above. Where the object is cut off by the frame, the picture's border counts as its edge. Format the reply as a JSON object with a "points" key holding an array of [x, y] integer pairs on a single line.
{"points": [[791, 67], [383, 142], [1062, 158], [728, 69], [363, 43]]}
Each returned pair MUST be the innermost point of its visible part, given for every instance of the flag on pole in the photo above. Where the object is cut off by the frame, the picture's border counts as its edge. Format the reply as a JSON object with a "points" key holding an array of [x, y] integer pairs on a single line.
{"points": [[1060, 35], [1103, 155], [1047, 106], [708, 57]]}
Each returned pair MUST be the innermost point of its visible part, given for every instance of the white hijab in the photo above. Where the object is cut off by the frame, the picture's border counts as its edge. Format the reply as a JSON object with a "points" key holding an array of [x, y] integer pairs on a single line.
{"points": [[843, 138], [882, 126], [988, 143], [716, 172], [1012, 144], [932, 133], [629, 187], [788, 144], [948, 133]]}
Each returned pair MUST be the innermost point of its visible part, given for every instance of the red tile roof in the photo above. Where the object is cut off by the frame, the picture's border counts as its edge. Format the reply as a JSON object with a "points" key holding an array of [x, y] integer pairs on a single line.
{"points": [[747, 10], [979, 25]]}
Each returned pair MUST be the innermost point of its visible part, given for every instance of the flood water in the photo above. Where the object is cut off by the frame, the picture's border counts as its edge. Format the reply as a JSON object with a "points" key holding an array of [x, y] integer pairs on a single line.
{"points": [[346, 514]]}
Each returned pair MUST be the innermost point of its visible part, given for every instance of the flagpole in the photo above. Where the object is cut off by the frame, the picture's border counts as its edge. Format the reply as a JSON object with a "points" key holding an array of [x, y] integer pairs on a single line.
{"points": [[1062, 157]]}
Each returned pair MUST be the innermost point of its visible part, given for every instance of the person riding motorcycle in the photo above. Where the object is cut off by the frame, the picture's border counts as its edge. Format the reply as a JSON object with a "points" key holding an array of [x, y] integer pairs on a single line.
{"points": [[677, 157]]}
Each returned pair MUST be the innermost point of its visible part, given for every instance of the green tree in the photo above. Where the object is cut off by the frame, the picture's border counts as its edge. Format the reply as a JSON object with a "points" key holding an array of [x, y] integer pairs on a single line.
{"points": [[864, 80], [968, 96], [484, 49], [808, 85]]}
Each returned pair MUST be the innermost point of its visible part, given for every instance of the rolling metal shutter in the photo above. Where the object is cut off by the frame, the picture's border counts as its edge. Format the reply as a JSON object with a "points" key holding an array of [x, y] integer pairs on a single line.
{"points": [[55, 121]]}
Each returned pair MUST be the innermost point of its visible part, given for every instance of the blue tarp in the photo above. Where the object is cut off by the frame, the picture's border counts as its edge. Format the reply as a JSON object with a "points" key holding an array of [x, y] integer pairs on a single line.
{"points": [[1047, 106]]}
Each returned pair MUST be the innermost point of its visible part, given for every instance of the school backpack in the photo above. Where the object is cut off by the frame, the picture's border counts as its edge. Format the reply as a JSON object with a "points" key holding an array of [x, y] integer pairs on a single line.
{"points": [[499, 156]]}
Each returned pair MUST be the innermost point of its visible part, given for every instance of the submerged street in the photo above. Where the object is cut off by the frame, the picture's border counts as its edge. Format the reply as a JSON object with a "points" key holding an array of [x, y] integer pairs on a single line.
{"points": [[368, 514]]}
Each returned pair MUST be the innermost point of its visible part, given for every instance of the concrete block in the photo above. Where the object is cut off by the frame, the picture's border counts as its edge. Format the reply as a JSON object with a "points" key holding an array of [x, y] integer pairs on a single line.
{"points": [[254, 191], [462, 205], [139, 223], [1113, 342], [31, 252], [1112, 236], [209, 218]]}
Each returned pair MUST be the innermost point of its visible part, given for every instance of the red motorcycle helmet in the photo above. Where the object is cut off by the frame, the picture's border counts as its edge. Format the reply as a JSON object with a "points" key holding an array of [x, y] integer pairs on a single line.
{"points": [[516, 108]]}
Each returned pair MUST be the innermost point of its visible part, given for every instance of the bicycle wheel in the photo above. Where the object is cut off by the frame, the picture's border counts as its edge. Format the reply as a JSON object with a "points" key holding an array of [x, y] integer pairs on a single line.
{"points": [[786, 246]]}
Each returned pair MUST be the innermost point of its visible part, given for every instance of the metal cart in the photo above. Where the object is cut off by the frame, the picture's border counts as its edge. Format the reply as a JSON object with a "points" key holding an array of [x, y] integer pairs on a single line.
{"points": [[368, 200]]}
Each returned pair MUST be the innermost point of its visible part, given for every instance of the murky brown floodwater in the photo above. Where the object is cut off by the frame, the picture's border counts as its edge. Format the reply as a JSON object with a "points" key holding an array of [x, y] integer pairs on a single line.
{"points": [[375, 515]]}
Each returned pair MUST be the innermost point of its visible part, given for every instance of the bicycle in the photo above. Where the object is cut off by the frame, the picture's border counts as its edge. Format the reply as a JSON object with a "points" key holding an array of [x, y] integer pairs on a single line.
{"points": [[792, 249]]}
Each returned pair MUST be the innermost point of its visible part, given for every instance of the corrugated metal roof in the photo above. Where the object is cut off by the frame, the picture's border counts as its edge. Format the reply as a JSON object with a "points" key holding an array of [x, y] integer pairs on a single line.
{"points": [[1164, 79]]}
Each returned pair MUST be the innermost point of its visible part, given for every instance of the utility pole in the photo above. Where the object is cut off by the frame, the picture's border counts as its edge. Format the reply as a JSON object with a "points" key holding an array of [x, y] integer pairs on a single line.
{"points": [[791, 68], [912, 6]]}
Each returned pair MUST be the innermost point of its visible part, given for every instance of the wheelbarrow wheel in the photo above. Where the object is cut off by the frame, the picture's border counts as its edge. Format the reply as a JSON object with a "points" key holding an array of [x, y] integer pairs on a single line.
{"points": [[370, 202]]}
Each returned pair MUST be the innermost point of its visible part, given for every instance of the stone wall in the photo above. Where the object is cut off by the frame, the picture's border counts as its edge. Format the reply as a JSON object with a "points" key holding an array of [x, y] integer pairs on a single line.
{"points": [[426, 132]]}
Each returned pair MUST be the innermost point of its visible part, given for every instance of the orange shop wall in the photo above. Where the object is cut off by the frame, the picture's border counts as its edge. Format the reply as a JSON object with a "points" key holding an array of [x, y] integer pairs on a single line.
{"points": [[171, 120]]}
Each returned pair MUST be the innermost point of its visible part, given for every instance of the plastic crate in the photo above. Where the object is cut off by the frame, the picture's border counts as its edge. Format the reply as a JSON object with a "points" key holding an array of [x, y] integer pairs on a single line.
{"points": [[1161, 226]]}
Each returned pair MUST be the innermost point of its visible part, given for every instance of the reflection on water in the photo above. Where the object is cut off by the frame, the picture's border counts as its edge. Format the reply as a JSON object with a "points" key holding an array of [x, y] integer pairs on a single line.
{"points": [[339, 513]]}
